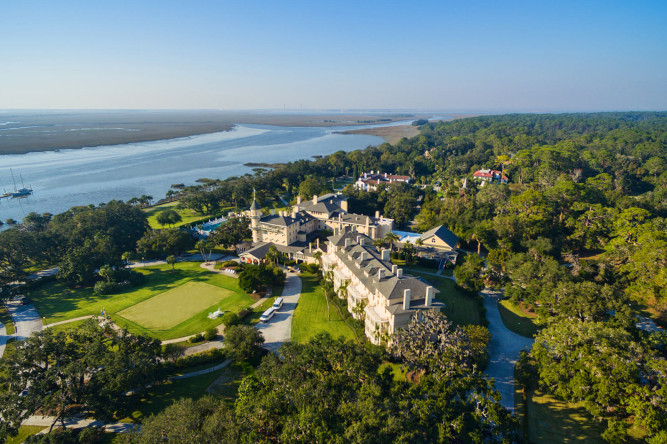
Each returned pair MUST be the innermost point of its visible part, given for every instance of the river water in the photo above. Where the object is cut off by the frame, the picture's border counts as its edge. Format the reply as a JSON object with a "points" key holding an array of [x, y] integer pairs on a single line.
{"points": [[65, 178]]}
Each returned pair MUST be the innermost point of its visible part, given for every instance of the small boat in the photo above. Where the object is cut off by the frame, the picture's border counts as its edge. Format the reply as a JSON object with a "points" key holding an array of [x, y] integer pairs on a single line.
{"points": [[5, 194], [22, 192]]}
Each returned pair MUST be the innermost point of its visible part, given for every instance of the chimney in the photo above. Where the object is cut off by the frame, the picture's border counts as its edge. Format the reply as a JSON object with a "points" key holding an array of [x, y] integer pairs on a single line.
{"points": [[430, 292], [362, 241], [406, 299], [386, 255], [348, 242], [318, 242], [380, 274], [394, 269], [399, 273], [298, 200], [310, 247], [314, 199], [377, 214], [385, 174], [294, 213]]}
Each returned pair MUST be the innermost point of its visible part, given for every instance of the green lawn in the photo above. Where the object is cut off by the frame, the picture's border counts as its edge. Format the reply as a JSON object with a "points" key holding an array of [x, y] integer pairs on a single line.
{"points": [[396, 370], [57, 302], [517, 320], [310, 315], [174, 306], [223, 383], [460, 307], [68, 326], [24, 432], [6, 319], [186, 214]]}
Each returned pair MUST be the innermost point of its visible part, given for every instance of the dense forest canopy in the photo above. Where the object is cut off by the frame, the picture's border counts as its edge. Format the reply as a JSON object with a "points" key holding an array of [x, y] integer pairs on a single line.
{"points": [[578, 236]]}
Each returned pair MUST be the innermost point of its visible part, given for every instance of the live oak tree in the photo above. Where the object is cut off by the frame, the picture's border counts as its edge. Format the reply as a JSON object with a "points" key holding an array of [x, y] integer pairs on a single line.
{"points": [[332, 390], [614, 373], [168, 217], [88, 369]]}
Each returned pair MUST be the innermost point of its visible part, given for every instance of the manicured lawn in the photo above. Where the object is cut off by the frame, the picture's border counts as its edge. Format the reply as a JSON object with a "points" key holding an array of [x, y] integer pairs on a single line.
{"points": [[6, 319], [310, 315], [517, 320], [68, 326], [186, 214], [162, 396], [24, 432], [174, 306], [57, 302], [460, 307]]}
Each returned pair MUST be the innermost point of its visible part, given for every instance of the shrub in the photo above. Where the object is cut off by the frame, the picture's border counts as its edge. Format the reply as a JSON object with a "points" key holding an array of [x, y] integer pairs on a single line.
{"points": [[205, 357], [104, 287], [244, 313], [196, 338], [230, 319], [210, 334]]}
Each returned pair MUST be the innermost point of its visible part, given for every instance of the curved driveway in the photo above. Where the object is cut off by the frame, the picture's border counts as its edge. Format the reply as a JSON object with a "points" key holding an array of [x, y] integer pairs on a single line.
{"points": [[279, 328], [504, 349]]}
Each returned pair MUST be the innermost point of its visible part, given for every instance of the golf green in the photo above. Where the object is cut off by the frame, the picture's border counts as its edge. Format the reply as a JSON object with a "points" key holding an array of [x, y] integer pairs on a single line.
{"points": [[174, 306]]}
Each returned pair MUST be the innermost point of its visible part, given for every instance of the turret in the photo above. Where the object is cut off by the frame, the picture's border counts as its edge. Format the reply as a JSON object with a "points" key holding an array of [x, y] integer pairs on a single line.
{"points": [[255, 216]]}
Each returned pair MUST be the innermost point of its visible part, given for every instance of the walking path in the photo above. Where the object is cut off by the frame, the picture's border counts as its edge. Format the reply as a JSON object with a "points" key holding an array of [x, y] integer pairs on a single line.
{"points": [[206, 371], [67, 321], [279, 329], [26, 319], [504, 349]]}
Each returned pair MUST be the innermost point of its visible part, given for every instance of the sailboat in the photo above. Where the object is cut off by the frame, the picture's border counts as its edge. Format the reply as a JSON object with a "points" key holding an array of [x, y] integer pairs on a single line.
{"points": [[23, 191]]}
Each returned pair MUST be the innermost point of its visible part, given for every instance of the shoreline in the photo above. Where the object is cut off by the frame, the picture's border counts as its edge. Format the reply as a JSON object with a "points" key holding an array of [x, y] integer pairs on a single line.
{"points": [[393, 134], [24, 133]]}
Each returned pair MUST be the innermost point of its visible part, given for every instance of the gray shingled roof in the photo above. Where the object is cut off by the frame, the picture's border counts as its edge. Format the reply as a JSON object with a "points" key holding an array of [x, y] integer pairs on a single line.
{"points": [[255, 205], [443, 233], [391, 286]]}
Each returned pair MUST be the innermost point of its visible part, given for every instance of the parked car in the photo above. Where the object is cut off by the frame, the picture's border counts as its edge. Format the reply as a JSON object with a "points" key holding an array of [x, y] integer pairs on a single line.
{"points": [[24, 300], [268, 314], [278, 303]]}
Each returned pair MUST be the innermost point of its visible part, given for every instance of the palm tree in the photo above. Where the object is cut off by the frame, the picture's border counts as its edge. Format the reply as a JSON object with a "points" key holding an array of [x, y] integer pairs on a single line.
{"points": [[390, 238], [105, 271]]}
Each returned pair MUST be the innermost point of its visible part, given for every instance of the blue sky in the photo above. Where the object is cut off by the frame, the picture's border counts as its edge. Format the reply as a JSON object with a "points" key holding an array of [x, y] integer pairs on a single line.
{"points": [[449, 55]]}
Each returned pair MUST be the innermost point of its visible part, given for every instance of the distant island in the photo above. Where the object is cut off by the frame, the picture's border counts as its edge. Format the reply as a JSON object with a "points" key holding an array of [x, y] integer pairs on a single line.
{"points": [[35, 130]]}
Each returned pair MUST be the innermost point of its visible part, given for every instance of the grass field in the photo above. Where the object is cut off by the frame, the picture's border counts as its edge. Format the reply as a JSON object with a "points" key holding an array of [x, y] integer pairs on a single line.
{"points": [[310, 315], [461, 308], [517, 320], [6, 320], [174, 306], [57, 302], [24, 432], [187, 215]]}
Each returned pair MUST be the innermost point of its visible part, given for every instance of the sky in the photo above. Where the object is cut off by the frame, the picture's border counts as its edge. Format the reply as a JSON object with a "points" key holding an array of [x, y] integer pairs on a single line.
{"points": [[458, 56]]}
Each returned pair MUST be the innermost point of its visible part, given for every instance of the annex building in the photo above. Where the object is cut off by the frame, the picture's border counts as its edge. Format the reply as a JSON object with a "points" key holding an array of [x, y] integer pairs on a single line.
{"points": [[376, 290], [294, 232]]}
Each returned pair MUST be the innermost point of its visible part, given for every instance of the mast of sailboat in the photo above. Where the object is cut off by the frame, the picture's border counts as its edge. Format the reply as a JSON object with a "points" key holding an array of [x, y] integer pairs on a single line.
{"points": [[13, 179]]}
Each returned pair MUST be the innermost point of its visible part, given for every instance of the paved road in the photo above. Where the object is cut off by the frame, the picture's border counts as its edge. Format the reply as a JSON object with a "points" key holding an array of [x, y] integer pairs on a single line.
{"points": [[279, 328], [26, 319], [504, 349]]}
